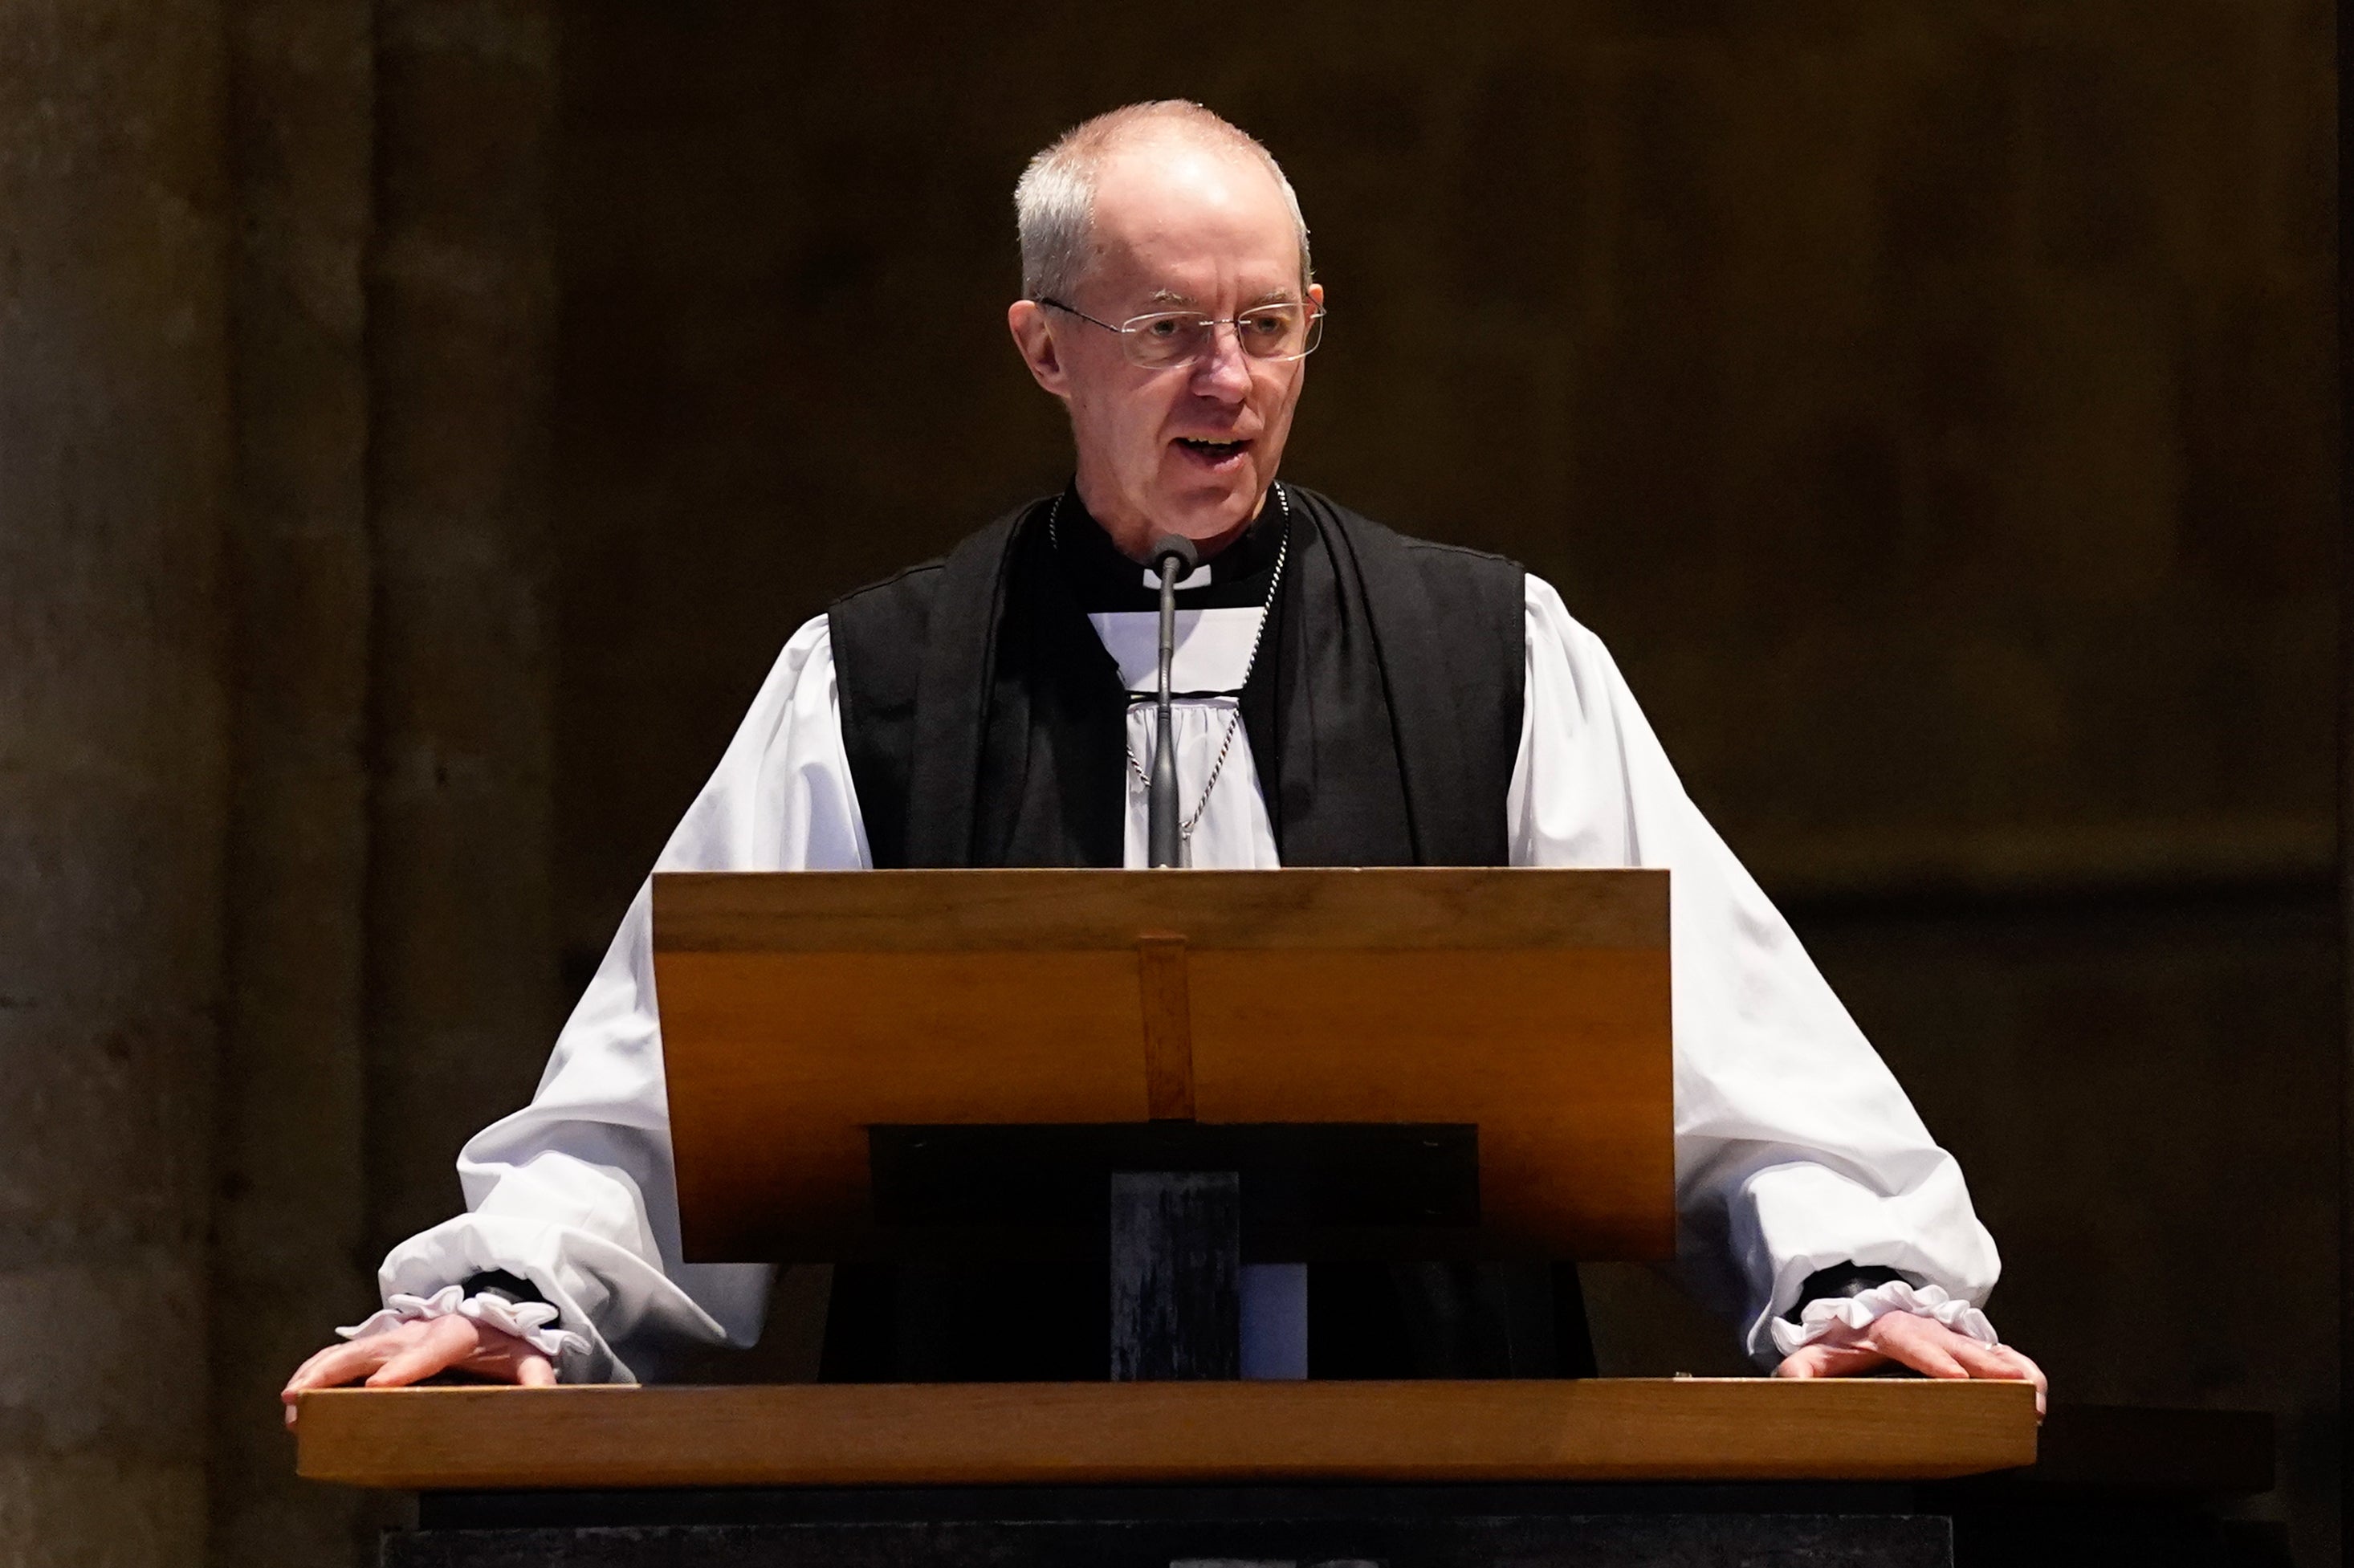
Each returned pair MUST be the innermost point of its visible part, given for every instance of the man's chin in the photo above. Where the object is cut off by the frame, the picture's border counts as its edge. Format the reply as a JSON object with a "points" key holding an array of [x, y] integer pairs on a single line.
{"points": [[1205, 511]]}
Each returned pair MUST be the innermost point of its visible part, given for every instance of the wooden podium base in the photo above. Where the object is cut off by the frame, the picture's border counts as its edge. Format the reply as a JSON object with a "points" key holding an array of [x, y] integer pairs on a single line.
{"points": [[1601, 1475], [1683, 1429]]}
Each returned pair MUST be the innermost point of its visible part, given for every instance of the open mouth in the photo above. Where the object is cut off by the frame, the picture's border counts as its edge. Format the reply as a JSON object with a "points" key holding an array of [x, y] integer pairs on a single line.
{"points": [[1215, 453]]}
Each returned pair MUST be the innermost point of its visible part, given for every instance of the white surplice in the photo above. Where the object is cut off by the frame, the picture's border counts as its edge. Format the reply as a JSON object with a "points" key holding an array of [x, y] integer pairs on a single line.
{"points": [[1795, 1150]]}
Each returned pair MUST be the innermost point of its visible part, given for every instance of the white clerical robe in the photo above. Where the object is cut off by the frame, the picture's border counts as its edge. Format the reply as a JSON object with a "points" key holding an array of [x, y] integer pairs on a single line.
{"points": [[1795, 1150]]}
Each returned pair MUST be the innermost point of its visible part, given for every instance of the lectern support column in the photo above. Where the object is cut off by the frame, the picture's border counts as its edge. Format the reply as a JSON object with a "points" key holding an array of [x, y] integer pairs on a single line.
{"points": [[1176, 1262]]}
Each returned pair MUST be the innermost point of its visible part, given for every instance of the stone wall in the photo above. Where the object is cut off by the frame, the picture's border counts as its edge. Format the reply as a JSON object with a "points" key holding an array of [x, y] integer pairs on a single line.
{"points": [[115, 458], [291, 1191], [275, 304], [462, 963]]}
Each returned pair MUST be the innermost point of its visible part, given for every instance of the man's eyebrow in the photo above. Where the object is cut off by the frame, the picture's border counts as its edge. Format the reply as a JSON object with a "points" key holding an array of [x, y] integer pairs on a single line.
{"points": [[1280, 295]]}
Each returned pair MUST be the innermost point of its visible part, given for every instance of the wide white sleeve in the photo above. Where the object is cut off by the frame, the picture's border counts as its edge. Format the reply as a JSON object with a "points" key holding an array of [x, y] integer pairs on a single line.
{"points": [[575, 1192], [1796, 1148]]}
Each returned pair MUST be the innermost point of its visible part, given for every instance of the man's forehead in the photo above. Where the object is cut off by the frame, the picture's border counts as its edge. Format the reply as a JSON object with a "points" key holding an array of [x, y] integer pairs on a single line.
{"points": [[1158, 155], [1166, 190], [1196, 269], [1179, 217]]}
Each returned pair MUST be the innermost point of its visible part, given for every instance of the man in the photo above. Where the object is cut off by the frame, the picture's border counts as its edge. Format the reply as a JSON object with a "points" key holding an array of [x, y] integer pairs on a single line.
{"points": [[1353, 698]]}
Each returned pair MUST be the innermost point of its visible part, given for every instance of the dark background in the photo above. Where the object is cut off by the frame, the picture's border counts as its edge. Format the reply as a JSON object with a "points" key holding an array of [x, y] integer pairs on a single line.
{"points": [[1931, 406], [421, 422]]}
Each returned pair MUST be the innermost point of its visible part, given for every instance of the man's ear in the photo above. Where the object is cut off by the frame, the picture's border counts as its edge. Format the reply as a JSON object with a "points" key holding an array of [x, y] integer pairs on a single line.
{"points": [[1034, 335]]}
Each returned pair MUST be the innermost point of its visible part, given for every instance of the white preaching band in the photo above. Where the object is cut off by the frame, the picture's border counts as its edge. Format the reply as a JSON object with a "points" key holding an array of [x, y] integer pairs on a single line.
{"points": [[1797, 1151]]}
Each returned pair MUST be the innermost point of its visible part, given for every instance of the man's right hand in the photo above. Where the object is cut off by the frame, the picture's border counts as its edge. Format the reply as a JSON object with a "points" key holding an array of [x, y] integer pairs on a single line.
{"points": [[416, 1351]]}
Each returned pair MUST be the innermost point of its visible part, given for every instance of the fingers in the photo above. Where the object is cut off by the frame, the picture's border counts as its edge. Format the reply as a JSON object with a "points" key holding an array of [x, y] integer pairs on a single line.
{"points": [[468, 1345], [496, 1351], [2000, 1361], [1921, 1343], [2034, 1374], [335, 1365], [445, 1342], [2042, 1384], [1824, 1359], [343, 1363], [1928, 1346], [1990, 1361], [500, 1355], [414, 1351]]}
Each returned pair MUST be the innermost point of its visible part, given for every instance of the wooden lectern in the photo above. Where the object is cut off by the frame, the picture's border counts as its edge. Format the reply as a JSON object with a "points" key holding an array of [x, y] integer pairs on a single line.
{"points": [[1300, 1064], [1173, 1071]]}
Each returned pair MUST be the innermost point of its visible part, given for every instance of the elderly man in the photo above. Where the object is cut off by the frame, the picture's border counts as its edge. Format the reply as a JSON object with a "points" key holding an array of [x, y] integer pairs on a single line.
{"points": [[1353, 697]]}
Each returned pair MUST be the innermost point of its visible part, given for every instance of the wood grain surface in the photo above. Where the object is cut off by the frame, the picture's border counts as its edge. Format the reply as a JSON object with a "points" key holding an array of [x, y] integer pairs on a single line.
{"points": [[799, 1009], [1695, 1429], [1420, 906], [1162, 981]]}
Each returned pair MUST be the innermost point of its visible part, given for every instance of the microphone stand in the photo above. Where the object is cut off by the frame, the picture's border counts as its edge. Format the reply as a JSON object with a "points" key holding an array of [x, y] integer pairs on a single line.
{"points": [[1173, 555]]}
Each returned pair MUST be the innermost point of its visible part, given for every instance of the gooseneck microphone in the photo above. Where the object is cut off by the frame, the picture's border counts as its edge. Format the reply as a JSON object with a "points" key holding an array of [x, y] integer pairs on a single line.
{"points": [[1173, 556]]}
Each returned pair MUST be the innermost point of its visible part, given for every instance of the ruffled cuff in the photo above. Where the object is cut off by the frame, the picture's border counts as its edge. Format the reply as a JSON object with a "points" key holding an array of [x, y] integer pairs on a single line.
{"points": [[1840, 1318], [526, 1320]]}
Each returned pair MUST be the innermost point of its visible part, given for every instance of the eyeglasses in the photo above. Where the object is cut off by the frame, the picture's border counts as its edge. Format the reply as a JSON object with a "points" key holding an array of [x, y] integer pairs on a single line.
{"points": [[1166, 339]]}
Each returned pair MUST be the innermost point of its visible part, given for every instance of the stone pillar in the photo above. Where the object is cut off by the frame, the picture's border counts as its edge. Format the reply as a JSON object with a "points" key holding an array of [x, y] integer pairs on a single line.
{"points": [[291, 1198], [462, 960], [113, 458]]}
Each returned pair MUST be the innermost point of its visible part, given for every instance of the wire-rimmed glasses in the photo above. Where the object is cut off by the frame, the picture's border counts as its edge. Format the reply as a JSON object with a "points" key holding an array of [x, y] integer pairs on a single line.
{"points": [[1163, 340]]}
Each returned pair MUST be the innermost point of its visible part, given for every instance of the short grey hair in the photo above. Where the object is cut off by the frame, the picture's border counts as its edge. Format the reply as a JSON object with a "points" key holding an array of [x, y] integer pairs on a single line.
{"points": [[1054, 202]]}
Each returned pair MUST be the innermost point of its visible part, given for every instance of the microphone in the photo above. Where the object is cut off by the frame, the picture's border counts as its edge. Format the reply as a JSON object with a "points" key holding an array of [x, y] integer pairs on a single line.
{"points": [[1173, 556]]}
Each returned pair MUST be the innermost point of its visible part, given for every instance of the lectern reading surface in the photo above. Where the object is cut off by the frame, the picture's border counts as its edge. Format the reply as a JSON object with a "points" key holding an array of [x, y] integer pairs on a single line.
{"points": [[820, 1030]]}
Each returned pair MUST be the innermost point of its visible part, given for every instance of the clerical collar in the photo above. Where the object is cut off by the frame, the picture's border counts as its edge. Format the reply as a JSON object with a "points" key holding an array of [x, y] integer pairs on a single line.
{"points": [[1103, 579]]}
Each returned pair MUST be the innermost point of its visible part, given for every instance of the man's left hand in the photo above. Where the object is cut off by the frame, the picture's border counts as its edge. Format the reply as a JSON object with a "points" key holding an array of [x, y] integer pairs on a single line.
{"points": [[1910, 1340]]}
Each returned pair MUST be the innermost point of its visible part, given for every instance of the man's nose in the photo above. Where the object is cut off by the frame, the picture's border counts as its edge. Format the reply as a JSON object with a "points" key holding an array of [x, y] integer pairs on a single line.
{"points": [[1223, 370]]}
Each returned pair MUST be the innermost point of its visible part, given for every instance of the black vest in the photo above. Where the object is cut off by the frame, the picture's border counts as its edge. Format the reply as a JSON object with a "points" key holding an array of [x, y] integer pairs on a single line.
{"points": [[985, 724]]}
